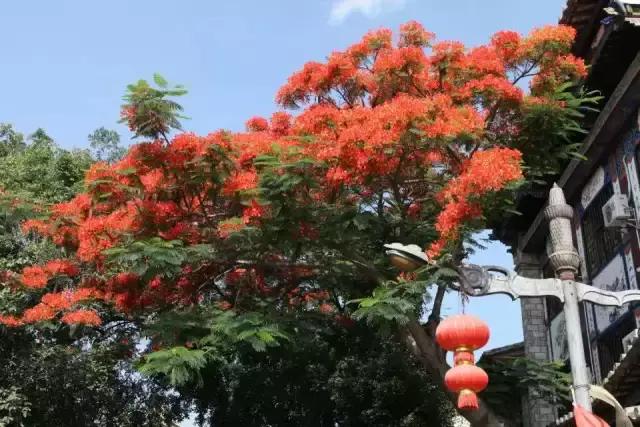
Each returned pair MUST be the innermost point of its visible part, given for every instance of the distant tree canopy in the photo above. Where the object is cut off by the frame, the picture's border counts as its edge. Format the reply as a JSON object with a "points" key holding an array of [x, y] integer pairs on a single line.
{"points": [[47, 380], [10, 140], [105, 145], [38, 169], [51, 375]]}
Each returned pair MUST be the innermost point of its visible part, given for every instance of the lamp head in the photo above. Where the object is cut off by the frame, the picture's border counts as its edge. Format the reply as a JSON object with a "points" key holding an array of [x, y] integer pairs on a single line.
{"points": [[406, 257]]}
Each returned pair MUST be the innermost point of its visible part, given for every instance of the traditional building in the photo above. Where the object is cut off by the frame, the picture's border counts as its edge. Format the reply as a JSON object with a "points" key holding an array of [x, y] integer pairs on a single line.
{"points": [[608, 38]]}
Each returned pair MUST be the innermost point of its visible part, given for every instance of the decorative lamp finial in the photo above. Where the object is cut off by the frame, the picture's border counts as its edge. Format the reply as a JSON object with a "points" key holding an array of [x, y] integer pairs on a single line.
{"points": [[563, 257]]}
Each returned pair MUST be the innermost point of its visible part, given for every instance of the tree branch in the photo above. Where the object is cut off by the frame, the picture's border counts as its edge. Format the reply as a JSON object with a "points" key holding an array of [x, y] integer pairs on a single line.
{"points": [[434, 317]]}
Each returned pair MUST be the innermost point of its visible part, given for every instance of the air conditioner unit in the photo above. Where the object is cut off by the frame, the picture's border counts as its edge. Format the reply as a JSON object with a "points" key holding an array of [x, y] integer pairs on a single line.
{"points": [[616, 211]]}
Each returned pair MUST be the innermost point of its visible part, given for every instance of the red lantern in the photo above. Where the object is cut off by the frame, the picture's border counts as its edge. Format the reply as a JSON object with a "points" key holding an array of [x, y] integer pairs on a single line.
{"points": [[463, 334], [467, 380]]}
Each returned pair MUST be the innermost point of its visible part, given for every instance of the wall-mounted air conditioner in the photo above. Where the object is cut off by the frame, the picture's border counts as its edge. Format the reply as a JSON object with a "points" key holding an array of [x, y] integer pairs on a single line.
{"points": [[616, 211]]}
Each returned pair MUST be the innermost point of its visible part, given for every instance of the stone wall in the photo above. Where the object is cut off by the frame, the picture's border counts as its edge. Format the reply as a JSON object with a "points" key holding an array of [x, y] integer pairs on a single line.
{"points": [[535, 412]]}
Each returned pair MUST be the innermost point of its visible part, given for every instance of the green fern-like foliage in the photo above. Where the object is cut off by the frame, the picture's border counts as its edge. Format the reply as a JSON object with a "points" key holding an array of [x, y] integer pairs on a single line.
{"points": [[555, 131], [385, 304], [398, 301], [155, 256], [392, 302], [512, 378], [179, 364], [214, 335], [254, 328], [149, 111]]}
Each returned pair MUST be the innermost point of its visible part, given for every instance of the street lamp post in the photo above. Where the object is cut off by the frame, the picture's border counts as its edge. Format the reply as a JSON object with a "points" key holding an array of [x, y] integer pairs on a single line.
{"points": [[565, 262], [480, 280]]}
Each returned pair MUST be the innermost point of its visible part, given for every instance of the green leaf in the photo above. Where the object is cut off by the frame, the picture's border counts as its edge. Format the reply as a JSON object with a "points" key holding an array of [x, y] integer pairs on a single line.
{"points": [[179, 364], [159, 80]]}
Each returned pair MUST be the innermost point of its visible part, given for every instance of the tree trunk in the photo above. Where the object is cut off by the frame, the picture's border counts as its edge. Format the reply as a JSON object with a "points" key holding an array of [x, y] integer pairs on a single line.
{"points": [[423, 345]]}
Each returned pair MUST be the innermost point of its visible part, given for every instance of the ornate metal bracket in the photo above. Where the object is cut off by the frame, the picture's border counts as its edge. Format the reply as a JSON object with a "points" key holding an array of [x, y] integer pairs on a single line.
{"points": [[602, 297], [478, 281]]}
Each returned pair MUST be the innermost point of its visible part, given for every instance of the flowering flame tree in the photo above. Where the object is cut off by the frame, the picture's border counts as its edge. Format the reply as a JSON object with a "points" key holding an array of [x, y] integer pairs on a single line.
{"points": [[236, 238]]}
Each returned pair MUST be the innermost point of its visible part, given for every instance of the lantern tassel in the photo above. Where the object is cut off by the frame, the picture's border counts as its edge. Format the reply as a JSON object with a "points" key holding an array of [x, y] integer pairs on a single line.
{"points": [[467, 399]]}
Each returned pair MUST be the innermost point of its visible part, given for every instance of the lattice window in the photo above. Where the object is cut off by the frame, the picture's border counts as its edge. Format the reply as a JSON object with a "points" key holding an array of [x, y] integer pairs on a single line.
{"points": [[600, 244]]}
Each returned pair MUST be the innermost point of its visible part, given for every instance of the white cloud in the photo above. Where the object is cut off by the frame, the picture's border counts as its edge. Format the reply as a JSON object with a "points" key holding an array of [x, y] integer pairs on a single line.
{"points": [[341, 9]]}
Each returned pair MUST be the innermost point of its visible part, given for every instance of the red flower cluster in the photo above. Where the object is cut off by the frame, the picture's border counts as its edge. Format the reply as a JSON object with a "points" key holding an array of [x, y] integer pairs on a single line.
{"points": [[242, 181], [34, 277], [254, 210], [280, 123], [38, 276], [413, 34], [51, 304], [66, 299], [257, 124], [128, 114], [486, 171], [551, 37], [325, 308], [11, 321], [152, 181], [62, 266], [507, 45], [38, 313], [312, 298], [82, 317]]}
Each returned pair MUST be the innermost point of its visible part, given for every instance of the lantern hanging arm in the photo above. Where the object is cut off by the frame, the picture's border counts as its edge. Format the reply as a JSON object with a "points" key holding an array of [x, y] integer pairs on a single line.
{"points": [[475, 280]]}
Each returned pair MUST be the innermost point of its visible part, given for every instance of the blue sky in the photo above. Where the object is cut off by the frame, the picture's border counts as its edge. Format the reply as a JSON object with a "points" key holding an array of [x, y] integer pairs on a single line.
{"points": [[67, 62]]}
